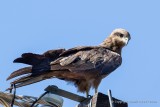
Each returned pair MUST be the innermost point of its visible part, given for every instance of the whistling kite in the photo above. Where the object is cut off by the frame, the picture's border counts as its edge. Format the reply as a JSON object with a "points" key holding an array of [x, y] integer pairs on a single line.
{"points": [[85, 66]]}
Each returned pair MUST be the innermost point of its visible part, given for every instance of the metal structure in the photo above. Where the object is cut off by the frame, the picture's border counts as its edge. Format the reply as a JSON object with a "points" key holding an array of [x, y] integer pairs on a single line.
{"points": [[98, 100], [27, 101], [55, 90], [52, 97]]}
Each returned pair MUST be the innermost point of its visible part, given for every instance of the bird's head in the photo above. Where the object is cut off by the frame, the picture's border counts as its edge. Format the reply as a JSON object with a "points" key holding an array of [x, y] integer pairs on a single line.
{"points": [[117, 40], [120, 36]]}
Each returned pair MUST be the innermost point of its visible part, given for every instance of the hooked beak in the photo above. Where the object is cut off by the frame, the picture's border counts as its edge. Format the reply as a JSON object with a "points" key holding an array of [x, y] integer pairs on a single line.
{"points": [[125, 40]]}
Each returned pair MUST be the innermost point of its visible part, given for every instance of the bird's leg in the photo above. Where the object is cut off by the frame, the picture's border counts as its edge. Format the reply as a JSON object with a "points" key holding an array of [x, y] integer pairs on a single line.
{"points": [[96, 90], [87, 94], [96, 84]]}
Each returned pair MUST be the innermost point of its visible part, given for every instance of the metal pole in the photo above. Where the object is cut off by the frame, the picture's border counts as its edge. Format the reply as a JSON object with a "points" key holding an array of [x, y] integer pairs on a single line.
{"points": [[110, 98]]}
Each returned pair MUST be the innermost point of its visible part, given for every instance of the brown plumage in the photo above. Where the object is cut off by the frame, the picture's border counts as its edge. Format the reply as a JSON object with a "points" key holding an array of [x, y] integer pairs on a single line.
{"points": [[85, 66]]}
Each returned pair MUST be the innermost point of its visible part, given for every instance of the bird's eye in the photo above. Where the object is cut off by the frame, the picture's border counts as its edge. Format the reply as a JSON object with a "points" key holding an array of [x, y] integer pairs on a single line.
{"points": [[121, 35]]}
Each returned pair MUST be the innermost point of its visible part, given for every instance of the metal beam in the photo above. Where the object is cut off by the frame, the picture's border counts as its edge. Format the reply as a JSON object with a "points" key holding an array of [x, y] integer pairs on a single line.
{"points": [[55, 90]]}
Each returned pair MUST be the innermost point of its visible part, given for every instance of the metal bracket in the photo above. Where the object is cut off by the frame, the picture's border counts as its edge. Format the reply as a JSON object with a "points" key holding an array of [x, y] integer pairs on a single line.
{"points": [[55, 90]]}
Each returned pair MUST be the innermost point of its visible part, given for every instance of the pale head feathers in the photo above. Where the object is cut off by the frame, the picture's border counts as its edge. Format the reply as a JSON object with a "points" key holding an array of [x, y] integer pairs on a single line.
{"points": [[124, 32], [116, 40]]}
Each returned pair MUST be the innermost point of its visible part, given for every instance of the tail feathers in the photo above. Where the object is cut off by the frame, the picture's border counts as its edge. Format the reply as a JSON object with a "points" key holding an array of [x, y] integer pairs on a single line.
{"points": [[35, 59], [30, 80], [29, 58], [38, 71], [19, 72], [21, 79], [27, 80]]}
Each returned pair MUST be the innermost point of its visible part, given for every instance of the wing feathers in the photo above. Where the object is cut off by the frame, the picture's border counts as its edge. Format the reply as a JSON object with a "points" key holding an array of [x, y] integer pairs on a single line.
{"points": [[74, 64], [29, 58], [19, 72], [76, 49]]}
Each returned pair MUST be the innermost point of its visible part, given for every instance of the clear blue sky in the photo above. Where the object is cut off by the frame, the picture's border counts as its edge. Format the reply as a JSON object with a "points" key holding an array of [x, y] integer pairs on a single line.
{"points": [[40, 25]]}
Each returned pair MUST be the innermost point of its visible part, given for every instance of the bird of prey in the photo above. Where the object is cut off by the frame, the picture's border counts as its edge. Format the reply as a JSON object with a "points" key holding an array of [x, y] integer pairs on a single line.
{"points": [[85, 66]]}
